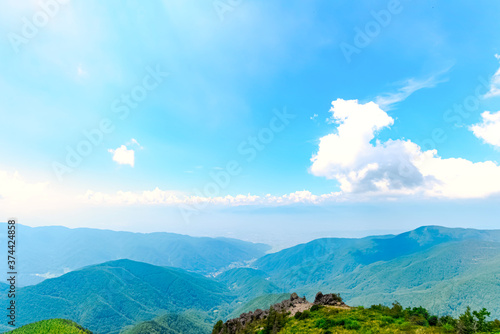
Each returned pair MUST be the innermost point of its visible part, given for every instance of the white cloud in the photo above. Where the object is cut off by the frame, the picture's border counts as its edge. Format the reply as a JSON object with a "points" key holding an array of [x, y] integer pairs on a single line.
{"points": [[386, 101], [20, 196], [123, 156], [135, 142], [489, 129], [395, 166], [494, 83], [52, 275], [15, 188], [158, 196]]}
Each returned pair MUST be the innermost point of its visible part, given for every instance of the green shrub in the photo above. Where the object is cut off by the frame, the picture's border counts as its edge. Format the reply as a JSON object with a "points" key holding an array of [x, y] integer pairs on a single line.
{"points": [[448, 328], [322, 323], [447, 319], [352, 324], [388, 320], [218, 327], [495, 325], [433, 320], [418, 320], [316, 308], [305, 315], [339, 322], [406, 326], [417, 311]]}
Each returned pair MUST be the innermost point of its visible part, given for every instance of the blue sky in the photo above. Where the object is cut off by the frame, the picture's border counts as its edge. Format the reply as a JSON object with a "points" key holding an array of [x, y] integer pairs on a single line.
{"points": [[224, 71]]}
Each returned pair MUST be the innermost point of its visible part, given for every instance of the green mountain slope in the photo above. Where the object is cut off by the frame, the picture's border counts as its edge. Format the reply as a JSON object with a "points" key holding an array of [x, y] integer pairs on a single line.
{"points": [[109, 296], [446, 279], [51, 326], [311, 262], [186, 323], [53, 250], [442, 269], [247, 283]]}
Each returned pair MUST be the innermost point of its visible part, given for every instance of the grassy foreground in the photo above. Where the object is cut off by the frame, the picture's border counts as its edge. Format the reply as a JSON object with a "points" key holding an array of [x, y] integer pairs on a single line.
{"points": [[52, 326], [376, 319]]}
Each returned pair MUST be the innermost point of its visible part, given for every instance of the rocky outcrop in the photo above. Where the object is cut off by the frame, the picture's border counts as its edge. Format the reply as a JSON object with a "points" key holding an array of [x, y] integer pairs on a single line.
{"points": [[238, 323], [330, 299], [288, 306]]}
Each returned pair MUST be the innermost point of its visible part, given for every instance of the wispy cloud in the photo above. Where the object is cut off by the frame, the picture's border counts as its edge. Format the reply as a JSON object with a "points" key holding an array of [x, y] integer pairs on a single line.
{"points": [[133, 141], [388, 100]]}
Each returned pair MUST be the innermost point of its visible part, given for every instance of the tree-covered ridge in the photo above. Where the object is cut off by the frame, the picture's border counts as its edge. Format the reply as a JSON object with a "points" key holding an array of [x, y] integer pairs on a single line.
{"points": [[51, 326], [328, 319], [107, 297], [447, 269], [186, 323]]}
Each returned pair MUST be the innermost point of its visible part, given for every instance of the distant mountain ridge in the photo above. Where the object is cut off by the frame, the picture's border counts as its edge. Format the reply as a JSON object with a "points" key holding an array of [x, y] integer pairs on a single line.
{"points": [[51, 251]]}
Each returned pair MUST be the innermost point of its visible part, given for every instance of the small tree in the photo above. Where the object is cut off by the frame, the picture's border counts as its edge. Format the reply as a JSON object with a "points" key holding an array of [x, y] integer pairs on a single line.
{"points": [[473, 322], [218, 327], [481, 324], [466, 323]]}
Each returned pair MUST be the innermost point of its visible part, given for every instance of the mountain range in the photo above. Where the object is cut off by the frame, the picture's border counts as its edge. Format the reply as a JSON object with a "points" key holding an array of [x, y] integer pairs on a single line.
{"points": [[445, 270], [50, 251]]}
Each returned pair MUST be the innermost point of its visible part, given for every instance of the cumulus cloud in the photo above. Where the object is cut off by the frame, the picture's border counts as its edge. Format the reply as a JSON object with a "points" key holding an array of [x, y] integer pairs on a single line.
{"points": [[489, 129], [396, 166], [494, 83], [123, 156]]}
